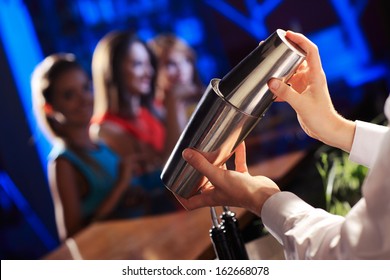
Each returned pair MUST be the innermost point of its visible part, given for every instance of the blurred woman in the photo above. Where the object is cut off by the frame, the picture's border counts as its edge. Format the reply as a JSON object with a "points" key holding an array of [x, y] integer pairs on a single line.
{"points": [[125, 115], [177, 73], [86, 177]]}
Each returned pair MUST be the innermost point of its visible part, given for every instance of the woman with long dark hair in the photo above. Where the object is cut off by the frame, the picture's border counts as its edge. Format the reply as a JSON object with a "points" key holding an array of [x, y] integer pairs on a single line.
{"points": [[125, 116]]}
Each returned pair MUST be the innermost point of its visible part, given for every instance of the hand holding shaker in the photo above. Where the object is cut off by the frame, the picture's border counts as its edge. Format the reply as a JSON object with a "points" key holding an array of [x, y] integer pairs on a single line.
{"points": [[229, 109]]}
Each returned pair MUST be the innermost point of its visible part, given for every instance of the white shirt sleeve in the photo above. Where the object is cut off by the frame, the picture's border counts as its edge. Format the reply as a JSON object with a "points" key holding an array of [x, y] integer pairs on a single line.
{"points": [[366, 142], [310, 233]]}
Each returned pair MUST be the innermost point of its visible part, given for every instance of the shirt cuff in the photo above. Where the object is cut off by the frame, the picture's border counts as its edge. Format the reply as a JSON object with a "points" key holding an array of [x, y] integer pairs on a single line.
{"points": [[278, 208], [366, 142]]}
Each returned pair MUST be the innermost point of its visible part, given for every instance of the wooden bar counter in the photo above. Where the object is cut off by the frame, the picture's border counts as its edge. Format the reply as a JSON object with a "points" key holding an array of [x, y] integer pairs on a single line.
{"points": [[182, 235]]}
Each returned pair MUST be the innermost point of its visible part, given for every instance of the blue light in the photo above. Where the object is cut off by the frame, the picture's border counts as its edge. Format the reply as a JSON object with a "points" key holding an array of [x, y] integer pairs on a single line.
{"points": [[337, 58], [24, 53], [107, 10], [349, 13], [190, 29], [207, 67], [89, 12], [28, 213], [146, 34], [366, 75], [254, 24]]}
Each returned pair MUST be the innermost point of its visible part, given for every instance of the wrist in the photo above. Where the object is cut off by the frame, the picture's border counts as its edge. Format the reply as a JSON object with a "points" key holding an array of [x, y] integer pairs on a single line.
{"points": [[341, 133], [259, 198]]}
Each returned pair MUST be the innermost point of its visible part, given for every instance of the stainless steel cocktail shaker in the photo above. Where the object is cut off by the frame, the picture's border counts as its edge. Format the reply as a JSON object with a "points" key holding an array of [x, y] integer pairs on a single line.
{"points": [[229, 109]]}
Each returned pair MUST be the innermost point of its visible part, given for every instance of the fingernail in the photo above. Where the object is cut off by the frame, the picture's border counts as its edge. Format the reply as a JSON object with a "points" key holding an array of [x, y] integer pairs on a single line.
{"points": [[187, 154], [274, 84]]}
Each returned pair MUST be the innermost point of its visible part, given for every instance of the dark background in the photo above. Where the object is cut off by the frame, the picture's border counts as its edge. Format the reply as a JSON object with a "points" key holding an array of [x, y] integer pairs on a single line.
{"points": [[353, 38]]}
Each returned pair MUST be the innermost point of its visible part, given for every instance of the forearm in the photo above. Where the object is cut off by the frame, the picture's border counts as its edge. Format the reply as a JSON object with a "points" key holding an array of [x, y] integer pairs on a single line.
{"points": [[340, 133]]}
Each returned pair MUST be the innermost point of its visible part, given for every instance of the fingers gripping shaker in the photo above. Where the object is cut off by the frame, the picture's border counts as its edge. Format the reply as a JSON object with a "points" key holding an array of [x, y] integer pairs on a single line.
{"points": [[229, 109]]}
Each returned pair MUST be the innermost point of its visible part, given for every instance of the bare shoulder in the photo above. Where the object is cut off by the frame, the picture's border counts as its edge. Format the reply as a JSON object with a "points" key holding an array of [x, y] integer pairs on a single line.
{"points": [[63, 176], [109, 132], [62, 168], [107, 128]]}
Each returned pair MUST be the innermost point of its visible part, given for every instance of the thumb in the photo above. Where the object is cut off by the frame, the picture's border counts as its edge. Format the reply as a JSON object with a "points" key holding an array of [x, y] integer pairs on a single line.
{"points": [[283, 92]]}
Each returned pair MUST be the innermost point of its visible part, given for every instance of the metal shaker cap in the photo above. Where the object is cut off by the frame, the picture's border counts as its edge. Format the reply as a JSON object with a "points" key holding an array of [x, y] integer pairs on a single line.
{"points": [[245, 86]]}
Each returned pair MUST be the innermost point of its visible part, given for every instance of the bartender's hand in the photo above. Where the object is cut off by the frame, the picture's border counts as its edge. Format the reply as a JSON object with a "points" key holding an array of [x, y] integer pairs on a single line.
{"points": [[309, 96], [227, 187]]}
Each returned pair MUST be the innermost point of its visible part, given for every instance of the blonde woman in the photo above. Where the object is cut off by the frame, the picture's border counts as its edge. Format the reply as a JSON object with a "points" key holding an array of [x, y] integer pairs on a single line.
{"points": [[177, 74]]}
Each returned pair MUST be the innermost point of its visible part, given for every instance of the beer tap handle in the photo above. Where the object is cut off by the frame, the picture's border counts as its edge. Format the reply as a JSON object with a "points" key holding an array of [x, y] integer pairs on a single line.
{"points": [[219, 238], [234, 236]]}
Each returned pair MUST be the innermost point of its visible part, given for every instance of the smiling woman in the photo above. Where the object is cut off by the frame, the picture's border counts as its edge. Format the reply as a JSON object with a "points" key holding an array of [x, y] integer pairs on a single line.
{"points": [[86, 178], [127, 118]]}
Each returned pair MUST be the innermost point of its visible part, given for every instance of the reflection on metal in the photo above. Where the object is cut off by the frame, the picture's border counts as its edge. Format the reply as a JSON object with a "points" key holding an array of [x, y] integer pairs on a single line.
{"points": [[230, 108]]}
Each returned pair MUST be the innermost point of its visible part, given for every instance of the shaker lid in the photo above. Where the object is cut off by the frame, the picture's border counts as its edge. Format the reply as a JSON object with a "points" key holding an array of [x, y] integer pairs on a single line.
{"points": [[245, 86], [290, 44]]}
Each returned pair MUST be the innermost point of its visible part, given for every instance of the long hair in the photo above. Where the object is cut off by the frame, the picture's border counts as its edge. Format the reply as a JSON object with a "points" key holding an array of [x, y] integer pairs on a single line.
{"points": [[163, 44], [108, 80]]}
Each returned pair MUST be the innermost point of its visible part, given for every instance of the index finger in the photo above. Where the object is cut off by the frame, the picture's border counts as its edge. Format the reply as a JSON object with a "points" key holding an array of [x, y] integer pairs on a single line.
{"points": [[201, 164], [311, 49]]}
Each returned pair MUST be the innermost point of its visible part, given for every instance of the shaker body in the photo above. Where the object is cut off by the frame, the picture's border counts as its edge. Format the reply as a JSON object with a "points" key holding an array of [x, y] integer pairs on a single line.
{"points": [[228, 111], [215, 129]]}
